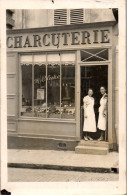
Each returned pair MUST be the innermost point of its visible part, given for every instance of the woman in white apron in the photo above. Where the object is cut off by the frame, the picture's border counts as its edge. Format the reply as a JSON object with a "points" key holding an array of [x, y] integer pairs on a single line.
{"points": [[102, 120], [89, 115]]}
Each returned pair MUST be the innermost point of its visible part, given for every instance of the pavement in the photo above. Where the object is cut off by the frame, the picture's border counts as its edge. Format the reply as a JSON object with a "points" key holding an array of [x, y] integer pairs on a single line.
{"points": [[46, 175], [62, 160]]}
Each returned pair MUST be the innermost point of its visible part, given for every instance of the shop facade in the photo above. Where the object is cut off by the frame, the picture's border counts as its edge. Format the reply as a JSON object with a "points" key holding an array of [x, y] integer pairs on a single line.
{"points": [[49, 71]]}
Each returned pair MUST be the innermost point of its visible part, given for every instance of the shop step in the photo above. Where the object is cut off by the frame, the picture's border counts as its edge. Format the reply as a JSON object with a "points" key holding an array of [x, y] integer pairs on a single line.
{"points": [[94, 143], [91, 150]]}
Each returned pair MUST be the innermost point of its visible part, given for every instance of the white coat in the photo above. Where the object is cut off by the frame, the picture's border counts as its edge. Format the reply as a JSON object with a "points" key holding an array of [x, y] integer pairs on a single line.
{"points": [[102, 120], [89, 121]]}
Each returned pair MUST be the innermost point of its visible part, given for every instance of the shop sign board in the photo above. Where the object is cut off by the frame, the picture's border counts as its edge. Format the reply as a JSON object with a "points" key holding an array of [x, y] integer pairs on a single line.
{"points": [[59, 39]]}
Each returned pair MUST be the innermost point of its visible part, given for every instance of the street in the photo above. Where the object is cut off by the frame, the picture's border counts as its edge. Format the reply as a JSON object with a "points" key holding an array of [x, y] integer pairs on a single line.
{"points": [[44, 175]]}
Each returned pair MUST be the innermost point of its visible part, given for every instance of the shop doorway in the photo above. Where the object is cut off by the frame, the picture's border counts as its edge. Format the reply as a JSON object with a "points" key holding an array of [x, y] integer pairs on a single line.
{"points": [[93, 76]]}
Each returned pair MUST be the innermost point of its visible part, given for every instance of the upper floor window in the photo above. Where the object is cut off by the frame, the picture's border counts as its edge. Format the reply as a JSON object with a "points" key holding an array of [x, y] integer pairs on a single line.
{"points": [[68, 16]]}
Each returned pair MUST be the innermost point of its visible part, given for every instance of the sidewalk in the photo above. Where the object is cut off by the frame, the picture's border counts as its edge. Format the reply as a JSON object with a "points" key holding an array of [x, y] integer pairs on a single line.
{"points": [[62, 160]]}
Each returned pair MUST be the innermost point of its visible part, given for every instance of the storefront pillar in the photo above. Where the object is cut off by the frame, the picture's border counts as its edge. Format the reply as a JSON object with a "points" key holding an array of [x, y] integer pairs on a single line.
{"points": [[110, 102], [116, 97], [77, 96]]}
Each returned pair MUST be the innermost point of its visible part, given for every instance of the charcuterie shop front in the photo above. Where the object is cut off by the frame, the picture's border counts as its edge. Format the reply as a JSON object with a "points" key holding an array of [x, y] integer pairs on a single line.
{"points": [[51, 70]]}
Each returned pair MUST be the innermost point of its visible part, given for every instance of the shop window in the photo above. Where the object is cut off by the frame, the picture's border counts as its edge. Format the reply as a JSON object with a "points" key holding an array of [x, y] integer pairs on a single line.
{"points": [[48, 85], [94, 55]]}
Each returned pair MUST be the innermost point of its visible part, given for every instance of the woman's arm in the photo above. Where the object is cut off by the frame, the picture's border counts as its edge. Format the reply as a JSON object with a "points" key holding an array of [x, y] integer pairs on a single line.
{"points": [[105, 106], [85, 106]]}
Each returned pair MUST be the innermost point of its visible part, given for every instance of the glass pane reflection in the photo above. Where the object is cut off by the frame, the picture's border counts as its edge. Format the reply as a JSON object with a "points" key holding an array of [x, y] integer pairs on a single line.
{"points": [[68, 91], [40, 90], [53, 91], [26, 109]]}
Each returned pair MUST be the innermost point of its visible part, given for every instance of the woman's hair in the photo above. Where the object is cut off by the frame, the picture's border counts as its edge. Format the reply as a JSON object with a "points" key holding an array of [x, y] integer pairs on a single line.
{"points": [[90, 89], [103, 87]]}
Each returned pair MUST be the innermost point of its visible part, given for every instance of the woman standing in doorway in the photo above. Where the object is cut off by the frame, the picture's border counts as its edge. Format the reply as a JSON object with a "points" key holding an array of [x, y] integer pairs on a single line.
{"points": [[102, 120], [89, 115]]}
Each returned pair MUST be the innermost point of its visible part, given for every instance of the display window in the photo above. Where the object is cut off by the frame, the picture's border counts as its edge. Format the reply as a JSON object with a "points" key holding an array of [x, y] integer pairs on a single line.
{"points": [[48, 85]]}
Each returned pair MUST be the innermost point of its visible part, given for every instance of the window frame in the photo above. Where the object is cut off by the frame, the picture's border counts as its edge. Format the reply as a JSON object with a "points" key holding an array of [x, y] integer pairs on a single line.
{"points": [[46, 63]]}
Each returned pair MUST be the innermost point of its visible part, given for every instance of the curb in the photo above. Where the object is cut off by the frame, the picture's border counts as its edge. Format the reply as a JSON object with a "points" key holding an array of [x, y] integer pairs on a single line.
{"points": [[62, 167]]}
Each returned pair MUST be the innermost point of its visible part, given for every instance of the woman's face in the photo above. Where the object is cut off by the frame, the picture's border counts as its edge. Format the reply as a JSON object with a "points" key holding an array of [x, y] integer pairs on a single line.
{"points": [[90, 92], [102, 90]]}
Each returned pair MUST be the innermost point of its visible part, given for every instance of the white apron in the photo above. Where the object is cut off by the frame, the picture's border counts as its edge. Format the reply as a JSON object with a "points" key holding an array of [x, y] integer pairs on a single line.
{"points": [[102, 120], [89, 122]]}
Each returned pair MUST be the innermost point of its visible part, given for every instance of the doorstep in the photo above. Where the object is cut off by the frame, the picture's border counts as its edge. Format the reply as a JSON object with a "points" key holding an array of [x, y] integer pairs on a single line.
{"points": [[92, 147]]}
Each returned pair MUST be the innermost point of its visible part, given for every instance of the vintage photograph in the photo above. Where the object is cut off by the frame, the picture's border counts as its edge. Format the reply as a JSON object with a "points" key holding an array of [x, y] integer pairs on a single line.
{"points": [[62, 95]]}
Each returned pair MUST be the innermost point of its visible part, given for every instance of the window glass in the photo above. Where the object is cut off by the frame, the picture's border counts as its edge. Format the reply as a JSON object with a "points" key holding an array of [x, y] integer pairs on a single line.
{"points": [[26, 59], [40, 90], [26, 72], [40, 86], [67, 57], [55, 57], [94, 55], [68, 91], [53, 91], [39, 59], [48, 85]]}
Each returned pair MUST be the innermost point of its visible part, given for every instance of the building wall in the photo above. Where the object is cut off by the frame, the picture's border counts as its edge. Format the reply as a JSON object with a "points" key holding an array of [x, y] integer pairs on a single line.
{"points": [[44, 18], [101, 15]]}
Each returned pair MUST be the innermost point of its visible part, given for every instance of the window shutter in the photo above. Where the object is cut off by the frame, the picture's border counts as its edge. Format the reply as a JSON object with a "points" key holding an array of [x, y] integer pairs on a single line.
{"points": [[60, 17], [76, 16]]}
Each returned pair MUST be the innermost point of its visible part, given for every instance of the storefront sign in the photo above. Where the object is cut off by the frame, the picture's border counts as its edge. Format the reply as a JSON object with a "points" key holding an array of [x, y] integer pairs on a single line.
{"points": [[59, 39]]}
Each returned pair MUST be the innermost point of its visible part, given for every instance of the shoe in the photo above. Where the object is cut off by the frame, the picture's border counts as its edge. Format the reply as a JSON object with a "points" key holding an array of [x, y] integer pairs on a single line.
{"points": [[101, 139], [85, 138], [90, 138]]}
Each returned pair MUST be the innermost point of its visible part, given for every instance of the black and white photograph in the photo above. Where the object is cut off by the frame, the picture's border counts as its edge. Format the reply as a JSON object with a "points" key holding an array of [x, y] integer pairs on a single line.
{"points": [[62, 94]]}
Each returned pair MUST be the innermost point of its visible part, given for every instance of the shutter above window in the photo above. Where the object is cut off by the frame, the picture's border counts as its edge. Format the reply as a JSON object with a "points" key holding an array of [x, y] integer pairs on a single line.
{"points": [[76, 16], [60, 17]]}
